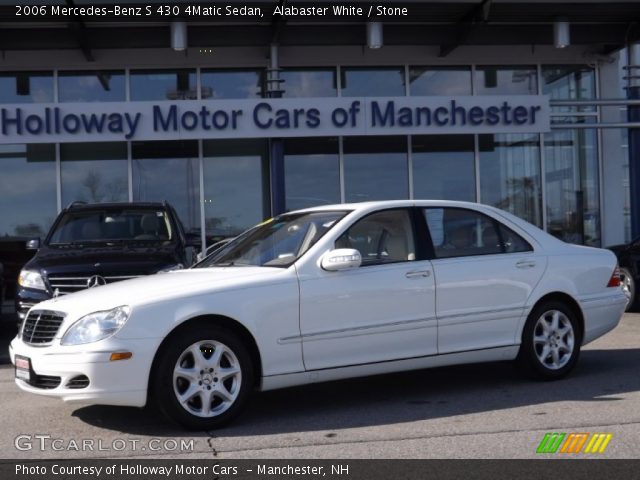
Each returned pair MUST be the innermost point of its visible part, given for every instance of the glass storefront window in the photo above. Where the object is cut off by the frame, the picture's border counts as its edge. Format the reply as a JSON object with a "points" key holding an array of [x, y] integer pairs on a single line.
{"points": [[497, 80], [443, 167], [375, 168], [26, 87], [168, 170], [372, 82], [94, 172], [231, 83], [510, 174], [315, 82], [235, 186], [91, 86], [27, 189], [152, 85], [439, 81], [311, 172], [572, 191]]}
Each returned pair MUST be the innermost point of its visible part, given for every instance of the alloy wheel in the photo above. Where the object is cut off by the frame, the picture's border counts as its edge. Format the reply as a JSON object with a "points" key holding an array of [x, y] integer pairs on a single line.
{"points": [[207, 378], [553, 339]]}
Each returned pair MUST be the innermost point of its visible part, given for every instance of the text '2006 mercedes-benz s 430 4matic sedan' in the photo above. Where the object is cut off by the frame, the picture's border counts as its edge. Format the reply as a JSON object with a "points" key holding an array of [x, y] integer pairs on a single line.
{"points": [[322, 294]]}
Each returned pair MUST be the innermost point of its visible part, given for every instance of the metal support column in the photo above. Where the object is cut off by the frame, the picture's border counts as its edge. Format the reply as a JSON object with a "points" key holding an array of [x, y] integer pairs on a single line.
{"points": [[276, 145], [633, 114]]}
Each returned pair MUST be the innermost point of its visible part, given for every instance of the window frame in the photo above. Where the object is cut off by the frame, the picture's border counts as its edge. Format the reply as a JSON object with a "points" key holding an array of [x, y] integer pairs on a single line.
{"points": [[495, 222], [420, 239]]}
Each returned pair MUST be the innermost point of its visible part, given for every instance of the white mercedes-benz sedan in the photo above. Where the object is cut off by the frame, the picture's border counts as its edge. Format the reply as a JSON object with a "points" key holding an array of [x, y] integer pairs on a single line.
{"points": [[322, 294]]}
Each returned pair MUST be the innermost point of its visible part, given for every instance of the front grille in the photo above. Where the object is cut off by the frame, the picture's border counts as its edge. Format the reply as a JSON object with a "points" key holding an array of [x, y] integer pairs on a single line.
{"points": [[46, 382], [41, 326], [80, 381], [64, 284]]}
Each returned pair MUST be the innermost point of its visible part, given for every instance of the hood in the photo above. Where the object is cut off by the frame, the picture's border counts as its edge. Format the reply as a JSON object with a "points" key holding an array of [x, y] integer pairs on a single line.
{"points": [[179, 284], [104, 259]]}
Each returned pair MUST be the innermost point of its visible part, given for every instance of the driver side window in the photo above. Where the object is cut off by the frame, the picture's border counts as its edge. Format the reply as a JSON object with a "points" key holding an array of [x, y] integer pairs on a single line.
{"points": [[382, 237]]}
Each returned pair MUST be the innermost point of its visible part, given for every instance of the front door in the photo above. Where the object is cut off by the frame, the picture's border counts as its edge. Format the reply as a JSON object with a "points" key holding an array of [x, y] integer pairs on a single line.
{"points": [[383, 310]]}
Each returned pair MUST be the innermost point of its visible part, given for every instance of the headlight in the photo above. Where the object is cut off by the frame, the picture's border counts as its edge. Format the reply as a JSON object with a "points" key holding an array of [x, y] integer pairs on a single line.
{"points": [[171, 268], [31, 279], [96, 326]]}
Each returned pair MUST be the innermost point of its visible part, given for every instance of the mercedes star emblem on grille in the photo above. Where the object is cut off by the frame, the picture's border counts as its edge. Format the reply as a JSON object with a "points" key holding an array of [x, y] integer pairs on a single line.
{"points": [[96, 281]]}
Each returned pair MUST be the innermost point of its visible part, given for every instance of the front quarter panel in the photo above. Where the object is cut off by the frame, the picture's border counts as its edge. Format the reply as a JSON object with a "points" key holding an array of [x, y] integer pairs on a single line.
{"points": [[268, 309]]}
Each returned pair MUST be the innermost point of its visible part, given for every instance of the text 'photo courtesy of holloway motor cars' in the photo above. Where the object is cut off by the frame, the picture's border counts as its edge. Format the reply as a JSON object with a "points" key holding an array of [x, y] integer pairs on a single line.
{"points": [[321, 294]]}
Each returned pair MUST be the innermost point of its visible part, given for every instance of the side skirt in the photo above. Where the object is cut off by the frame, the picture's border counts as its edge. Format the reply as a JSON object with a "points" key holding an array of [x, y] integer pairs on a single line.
{"points": [[274, 382]]}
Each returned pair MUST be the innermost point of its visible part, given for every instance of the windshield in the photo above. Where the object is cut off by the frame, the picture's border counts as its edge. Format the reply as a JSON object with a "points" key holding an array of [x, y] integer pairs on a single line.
{"points": [[112, 225], [276, 243]]}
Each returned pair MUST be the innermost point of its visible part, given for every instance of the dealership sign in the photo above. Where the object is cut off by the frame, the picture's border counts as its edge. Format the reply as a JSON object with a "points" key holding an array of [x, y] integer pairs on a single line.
{"points": [[283, 117]]}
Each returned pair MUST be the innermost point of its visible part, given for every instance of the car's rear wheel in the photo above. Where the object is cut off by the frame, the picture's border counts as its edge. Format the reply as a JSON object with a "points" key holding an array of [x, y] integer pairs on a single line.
{"points": [[551, 341], [629, 288], [203, 378]]}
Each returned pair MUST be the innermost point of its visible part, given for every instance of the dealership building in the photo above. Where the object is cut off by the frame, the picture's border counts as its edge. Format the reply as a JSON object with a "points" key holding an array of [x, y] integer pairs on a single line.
{"points": [[520, 105]]}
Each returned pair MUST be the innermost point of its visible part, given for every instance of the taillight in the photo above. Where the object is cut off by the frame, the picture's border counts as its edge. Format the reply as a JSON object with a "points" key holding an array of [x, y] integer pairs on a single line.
{"points": [[614, 281]]}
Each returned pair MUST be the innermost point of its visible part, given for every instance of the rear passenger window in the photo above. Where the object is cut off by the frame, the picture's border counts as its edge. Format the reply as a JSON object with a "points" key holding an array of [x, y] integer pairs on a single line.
{"points": [[458, 232]]}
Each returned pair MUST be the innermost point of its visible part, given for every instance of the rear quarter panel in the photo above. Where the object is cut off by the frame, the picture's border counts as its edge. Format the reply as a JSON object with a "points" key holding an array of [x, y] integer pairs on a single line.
{"points": [[582, 273]]}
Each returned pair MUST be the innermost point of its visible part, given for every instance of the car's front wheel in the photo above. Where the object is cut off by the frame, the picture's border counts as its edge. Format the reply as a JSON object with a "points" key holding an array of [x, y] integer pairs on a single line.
{"points": [[203, 377], [550, 341]]}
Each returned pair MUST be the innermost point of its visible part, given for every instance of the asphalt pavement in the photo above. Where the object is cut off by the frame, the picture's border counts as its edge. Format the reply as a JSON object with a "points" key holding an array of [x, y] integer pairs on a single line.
{"points": [[474, 411]]}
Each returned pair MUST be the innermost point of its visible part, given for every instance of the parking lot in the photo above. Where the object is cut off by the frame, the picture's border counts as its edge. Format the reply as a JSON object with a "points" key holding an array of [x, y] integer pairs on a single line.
{"points": [[479, 411]]}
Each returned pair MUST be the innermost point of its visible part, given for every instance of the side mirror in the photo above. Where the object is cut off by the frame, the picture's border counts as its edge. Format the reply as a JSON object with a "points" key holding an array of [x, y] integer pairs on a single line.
{"points": [[341, 259], [33, 244]]}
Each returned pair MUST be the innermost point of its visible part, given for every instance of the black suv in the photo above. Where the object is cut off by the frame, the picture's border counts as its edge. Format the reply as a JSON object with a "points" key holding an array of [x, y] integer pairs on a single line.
{"points": [[92, 245]]}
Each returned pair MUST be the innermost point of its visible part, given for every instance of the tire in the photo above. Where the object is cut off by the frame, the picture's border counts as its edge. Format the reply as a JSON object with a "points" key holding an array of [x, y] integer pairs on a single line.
{"points": [[551, 327], [629, 288], [191, 374]]}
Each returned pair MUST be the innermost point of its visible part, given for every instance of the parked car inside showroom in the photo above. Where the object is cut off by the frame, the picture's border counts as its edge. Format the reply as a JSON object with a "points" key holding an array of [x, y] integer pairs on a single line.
{"points": [[323, 294], [91, 245]]}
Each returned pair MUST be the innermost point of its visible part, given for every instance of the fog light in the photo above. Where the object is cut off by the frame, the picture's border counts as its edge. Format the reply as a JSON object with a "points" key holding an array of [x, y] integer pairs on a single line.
{"points": [[120, 356]]}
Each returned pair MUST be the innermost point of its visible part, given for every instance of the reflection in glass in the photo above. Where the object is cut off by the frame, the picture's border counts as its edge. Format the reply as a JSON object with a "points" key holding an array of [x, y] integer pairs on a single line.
{"points": [[311, 172], [235, 189], [94, 172], [91, 86], [168, 170], [510, 174], [372, 82], [573, 205], [231, 83], [163, 84], [569, 82], [309, 82], [375, 168], [443, 167], [493, 80], [26, 87], [440, 81], [28, 186]]}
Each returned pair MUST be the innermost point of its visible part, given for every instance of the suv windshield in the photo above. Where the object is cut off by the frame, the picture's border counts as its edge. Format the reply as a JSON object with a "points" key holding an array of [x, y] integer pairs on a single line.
{"points": [[276, 243], [112, 225]]}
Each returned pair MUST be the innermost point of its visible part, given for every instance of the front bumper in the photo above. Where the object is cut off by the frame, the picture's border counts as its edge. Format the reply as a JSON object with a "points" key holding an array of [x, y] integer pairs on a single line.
{"points": [[121, 382]]}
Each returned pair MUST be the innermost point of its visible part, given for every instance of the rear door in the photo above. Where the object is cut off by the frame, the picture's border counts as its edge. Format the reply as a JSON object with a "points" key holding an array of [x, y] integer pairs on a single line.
{"points": [[484, 273]]}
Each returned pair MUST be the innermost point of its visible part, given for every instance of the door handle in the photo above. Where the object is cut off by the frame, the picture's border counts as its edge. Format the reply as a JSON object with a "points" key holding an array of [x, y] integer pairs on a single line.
{"points": [[526, 264], [421, 273]]}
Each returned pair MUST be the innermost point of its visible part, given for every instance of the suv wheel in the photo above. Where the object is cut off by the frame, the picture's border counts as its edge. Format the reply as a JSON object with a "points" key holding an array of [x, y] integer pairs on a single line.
{"points": [[550, 341], [203, 377]]}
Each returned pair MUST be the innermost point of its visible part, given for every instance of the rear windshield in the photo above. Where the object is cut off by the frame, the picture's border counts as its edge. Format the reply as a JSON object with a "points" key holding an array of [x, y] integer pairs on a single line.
{"points": [[112, 225]]}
